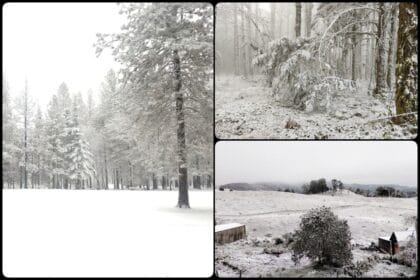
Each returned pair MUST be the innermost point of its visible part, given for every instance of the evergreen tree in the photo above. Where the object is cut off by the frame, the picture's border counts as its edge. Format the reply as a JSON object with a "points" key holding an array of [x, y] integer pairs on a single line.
{"points": [[166, 69], [80, 165]]}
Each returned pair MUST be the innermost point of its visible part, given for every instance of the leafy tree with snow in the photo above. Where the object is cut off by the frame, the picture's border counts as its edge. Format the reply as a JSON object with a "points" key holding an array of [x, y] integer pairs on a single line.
{"points": [[323, 238]]}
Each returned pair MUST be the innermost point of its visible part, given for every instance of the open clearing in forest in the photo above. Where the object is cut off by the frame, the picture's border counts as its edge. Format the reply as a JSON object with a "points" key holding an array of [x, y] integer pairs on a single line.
{"points": [[106, 233], [268, 214]]}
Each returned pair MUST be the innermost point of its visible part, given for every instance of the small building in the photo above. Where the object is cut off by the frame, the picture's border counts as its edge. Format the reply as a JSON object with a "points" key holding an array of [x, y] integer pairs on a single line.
{"points": [[396, 242], [227, 233]]}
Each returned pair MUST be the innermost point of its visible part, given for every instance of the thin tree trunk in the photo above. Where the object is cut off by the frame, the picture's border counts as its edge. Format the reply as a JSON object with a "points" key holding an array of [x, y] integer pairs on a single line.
{"points": [[243, 44], [248, 39], [354, 54], [106, 169], [392, 48], [26, 134], [381, 58], [273, 20], [235, 40], [308, 18], [183, 201], [298, 23]]}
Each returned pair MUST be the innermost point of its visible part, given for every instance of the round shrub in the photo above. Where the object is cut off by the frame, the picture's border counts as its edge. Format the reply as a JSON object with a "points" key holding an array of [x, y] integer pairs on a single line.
{"points": [[323, 238]]}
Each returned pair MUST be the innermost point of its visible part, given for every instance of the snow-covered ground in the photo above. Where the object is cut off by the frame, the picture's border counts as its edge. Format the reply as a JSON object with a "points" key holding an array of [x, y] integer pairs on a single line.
{"points": [[57, 233], [245, 109], [267, 215]]}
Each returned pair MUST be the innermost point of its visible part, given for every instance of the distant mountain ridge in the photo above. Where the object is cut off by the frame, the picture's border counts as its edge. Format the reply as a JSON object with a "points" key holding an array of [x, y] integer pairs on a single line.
{"points": [[297, 187]]}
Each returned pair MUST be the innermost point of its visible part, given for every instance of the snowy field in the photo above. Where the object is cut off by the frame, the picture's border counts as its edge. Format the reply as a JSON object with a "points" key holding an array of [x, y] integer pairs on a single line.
{"points": [[245, 109], [59, 233], [271, 214]]}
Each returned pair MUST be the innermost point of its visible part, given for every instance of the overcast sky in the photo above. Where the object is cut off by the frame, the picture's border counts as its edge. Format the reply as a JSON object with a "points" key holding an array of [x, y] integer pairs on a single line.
{"points": [[51, 43], [374, 162]]}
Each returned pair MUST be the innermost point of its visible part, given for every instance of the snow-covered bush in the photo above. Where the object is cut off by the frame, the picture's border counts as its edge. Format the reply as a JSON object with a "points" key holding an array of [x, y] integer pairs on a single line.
{"points": [[293, 71], [323, 238]]}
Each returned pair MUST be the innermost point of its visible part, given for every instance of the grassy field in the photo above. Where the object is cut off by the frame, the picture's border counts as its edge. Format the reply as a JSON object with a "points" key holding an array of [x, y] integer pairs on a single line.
{"points": [[271, 214]]}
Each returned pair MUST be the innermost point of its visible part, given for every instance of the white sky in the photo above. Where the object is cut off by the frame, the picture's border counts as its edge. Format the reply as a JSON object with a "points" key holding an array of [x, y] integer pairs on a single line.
{"points": [[51, 43], [373, 162]]}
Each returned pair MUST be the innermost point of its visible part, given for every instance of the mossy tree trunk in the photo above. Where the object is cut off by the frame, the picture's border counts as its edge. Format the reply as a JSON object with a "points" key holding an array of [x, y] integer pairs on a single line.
{"points": [[406, 69]]}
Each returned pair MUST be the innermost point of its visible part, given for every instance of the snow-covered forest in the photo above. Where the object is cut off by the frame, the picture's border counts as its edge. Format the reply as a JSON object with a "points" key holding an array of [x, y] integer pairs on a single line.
{"points": [[107, 145], [149, 126], [316, 70]]}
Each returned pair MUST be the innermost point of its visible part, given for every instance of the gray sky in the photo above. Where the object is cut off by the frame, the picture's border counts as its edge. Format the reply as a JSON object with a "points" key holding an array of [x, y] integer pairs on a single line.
{"points": [[373, 162], [51, 43]]}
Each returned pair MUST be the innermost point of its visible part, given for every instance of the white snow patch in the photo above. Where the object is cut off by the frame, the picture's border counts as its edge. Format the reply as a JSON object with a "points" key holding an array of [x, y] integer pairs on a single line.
{"points": [[227, 226], [59, 233]]}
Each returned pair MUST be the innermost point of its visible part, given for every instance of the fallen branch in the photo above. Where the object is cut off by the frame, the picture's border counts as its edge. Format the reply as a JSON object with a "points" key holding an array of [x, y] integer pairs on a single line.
{"points": [[390, 117]]}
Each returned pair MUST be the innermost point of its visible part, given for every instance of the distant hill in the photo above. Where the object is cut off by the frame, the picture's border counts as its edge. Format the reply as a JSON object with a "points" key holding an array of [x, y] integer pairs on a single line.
{"points": [[297, 187], [373, 187], [262, 186]]}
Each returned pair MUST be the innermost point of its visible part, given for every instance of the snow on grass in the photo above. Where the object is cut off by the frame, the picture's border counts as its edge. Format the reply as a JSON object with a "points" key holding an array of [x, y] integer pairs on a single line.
{"points": [[59, 233], [246, 109], [268, 214], [279, 212]]}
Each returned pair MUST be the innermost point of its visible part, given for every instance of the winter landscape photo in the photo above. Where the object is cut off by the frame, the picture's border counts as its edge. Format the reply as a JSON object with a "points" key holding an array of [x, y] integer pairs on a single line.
{"points": [[107, 143], [316, 209], [305, 70]]}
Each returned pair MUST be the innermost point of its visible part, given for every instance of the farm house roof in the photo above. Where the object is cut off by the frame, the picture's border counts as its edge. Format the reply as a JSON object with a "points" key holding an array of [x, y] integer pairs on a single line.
{"points": [[227, 226], [404, 235], [401, 235]]}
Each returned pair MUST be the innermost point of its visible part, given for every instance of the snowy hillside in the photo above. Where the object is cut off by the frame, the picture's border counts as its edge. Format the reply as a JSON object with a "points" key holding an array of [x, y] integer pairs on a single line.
{"points": [[268, 215], [56, 233]]}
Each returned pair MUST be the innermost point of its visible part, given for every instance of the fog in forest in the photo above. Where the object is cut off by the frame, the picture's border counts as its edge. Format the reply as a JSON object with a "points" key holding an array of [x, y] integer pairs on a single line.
{"points": [[316, 70]]}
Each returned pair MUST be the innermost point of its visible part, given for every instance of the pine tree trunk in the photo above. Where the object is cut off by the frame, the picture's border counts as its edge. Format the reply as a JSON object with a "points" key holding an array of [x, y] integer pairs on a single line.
{"points": [[154, 181], [106, 169], [243, 43], [381, 58], [406, 74], [354, 54], [163, 182], [183, 201], [273, 20], [117, 180], [26, 135], [308, 18], [235, 40], [131, 175], [298, 23], [392, 47], [248, 40], [20, 177]]}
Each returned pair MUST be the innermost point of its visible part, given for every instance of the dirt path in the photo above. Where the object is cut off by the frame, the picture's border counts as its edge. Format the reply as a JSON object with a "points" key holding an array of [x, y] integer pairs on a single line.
{"points": [[245, 109]]}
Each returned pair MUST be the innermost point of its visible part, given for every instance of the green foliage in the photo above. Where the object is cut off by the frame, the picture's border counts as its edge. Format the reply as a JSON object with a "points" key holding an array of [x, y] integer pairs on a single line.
{"points": [[323, 238]]}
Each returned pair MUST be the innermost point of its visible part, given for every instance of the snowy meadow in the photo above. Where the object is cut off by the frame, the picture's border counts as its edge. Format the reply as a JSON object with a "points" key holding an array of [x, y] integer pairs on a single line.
{"points": [[91, 233], [316, 209]]}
